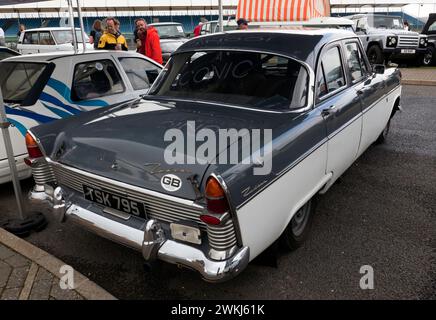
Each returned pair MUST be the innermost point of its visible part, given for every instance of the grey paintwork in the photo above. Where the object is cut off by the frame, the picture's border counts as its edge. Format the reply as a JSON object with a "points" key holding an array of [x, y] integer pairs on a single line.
{"points": [[131, 134]]}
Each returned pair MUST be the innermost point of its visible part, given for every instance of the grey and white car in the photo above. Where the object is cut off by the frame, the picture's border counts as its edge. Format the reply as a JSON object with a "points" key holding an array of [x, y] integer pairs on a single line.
{"points": [[112, 170], [385, 38]]}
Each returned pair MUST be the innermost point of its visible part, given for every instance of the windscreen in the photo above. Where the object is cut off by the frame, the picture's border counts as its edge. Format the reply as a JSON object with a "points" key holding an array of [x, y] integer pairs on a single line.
{"points": [[386, 22], [66, 36], [18, 78], [170, 31], [249, 79]]}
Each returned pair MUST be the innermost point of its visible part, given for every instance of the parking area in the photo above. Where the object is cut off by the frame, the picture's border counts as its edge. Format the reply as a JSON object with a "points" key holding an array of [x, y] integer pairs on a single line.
{"points": [[381, 213]]}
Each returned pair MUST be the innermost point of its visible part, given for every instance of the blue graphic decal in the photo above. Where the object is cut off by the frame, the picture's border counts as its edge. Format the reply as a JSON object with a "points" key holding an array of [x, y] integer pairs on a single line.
{"points": [[65, 92], [49, 98], [60, 113], [35, 116], [18, 125]]}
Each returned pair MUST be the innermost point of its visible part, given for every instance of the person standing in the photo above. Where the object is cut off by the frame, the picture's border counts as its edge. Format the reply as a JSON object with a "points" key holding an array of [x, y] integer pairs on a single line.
{"points": [[2, 37], [96, 32], [242, 24], [197, 29], [112, 39], [150, 43], [139, 23], [21, 28]]}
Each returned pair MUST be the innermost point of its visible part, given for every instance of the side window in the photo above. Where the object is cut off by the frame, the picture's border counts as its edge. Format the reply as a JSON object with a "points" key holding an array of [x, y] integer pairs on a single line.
{"points": [[45, 38], [320, 83], [95, 79], [354, 61], [31, 38], [432, 28], [140, 72], [332, 72]]}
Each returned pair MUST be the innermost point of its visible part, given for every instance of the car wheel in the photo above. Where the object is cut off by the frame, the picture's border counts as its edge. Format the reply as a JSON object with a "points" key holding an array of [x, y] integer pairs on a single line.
{"points": [[384, 134], [429, 58], [375, 55], [298, 228]]}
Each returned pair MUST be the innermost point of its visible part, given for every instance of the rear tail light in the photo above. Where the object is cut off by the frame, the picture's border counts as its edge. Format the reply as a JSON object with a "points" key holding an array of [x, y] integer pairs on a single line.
{"points": [[217, 204], [32, 147]]}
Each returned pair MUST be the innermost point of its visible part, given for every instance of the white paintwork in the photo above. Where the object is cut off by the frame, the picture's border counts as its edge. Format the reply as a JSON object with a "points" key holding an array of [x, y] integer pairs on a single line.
{"points": [[262, 223], [376, 118], [265, 217], [63, 72], [26, 48], [23, 170]]}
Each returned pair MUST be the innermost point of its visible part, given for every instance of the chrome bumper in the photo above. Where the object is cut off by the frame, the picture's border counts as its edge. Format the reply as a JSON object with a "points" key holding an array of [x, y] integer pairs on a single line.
{"points": [[151, 241]]}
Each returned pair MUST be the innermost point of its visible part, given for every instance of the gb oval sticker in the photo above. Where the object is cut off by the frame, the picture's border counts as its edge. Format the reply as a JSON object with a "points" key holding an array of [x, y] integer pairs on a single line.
{"points": [[171, 182]]}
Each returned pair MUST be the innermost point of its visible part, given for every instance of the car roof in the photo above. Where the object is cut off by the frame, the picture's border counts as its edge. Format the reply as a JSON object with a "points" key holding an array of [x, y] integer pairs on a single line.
{"points": [[360, 15], [164, 23], [41, 57], [51, 29], [300, 43]]}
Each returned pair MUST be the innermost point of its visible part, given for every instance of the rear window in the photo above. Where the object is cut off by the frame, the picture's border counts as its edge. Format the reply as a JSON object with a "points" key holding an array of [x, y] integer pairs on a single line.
{"points": [[249, 79], [18, 78]]}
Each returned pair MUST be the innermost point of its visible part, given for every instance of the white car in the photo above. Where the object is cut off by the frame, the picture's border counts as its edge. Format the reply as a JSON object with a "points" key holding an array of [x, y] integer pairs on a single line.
{"points": [[44, 87], [43, 40]]}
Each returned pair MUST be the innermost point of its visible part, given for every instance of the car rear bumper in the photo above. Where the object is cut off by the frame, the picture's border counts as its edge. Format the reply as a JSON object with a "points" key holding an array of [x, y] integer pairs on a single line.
{"points": [[151, 240], [22, 169]]}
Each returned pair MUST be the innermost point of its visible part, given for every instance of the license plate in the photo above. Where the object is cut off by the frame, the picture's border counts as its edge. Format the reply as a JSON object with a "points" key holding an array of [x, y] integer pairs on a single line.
{"points": [[113, 201], [410, 51]]}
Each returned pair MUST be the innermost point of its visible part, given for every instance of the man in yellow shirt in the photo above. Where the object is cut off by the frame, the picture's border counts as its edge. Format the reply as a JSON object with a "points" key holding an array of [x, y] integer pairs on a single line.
{"points": [[112, 39]]}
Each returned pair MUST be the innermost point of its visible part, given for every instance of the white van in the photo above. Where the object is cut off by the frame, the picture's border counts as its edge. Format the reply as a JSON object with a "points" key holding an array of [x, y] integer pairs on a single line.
{"points": [[41, 88], [43, 40]]}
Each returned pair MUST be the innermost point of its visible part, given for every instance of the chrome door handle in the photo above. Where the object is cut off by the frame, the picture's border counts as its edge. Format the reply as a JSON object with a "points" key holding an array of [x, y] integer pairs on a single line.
{"points": [[328, 111]]}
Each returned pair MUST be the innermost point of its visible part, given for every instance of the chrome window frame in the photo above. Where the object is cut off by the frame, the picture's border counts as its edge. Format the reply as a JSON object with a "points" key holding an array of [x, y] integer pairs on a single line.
{"points": [[310, 84]]}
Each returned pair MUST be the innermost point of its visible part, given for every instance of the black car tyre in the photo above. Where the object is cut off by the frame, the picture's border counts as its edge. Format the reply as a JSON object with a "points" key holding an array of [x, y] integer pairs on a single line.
{"points": [[384, 134], [299, 227], [429, 57], [375, 55]]}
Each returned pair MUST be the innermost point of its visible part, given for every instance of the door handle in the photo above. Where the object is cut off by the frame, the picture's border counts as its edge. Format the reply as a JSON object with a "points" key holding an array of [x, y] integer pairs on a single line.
{"points": [[328, 111], [359, 92]]}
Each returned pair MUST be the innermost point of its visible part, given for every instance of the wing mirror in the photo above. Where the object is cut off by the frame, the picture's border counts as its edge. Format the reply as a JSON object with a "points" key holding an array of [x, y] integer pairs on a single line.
{"points": [[378, 68]]}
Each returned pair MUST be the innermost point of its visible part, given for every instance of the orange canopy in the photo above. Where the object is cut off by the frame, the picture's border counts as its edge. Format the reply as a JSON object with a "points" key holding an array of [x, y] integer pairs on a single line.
{"points": [[282, 10]]}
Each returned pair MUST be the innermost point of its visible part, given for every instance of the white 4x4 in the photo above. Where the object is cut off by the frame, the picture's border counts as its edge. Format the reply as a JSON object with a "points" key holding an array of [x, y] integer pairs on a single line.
{"points": [[385, 38], [43, 40]]}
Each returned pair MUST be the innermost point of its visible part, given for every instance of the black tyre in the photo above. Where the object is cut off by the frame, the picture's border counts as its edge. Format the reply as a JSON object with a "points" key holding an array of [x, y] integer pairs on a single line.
{"points": [[375, 55], [429, 57], [298, 229], [384, 134]]}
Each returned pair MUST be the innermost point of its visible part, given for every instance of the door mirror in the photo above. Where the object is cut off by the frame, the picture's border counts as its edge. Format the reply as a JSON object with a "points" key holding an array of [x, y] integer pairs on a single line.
{"points": [[360, 30], [378, 68]]}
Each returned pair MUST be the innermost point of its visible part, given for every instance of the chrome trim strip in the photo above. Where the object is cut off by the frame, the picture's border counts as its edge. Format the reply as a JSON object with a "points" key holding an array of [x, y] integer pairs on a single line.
{"points": [[345, 125], [309, 70], [379, 99], [128, 186], [233, 209], [284, 171]]}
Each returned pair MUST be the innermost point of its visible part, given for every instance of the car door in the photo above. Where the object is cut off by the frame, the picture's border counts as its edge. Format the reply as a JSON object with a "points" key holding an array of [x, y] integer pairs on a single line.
{"points": [[341, 109], [371, 89], [98, 81], [30, 43], [46, 42]]}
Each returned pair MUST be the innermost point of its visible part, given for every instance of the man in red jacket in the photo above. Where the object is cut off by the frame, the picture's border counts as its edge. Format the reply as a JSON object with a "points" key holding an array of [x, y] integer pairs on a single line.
{"points": [[150, 43]]}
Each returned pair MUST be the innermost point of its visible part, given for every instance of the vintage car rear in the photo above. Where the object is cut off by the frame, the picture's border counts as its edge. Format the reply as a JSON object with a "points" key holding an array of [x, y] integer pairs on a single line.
{"points": [[120, 173]]}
